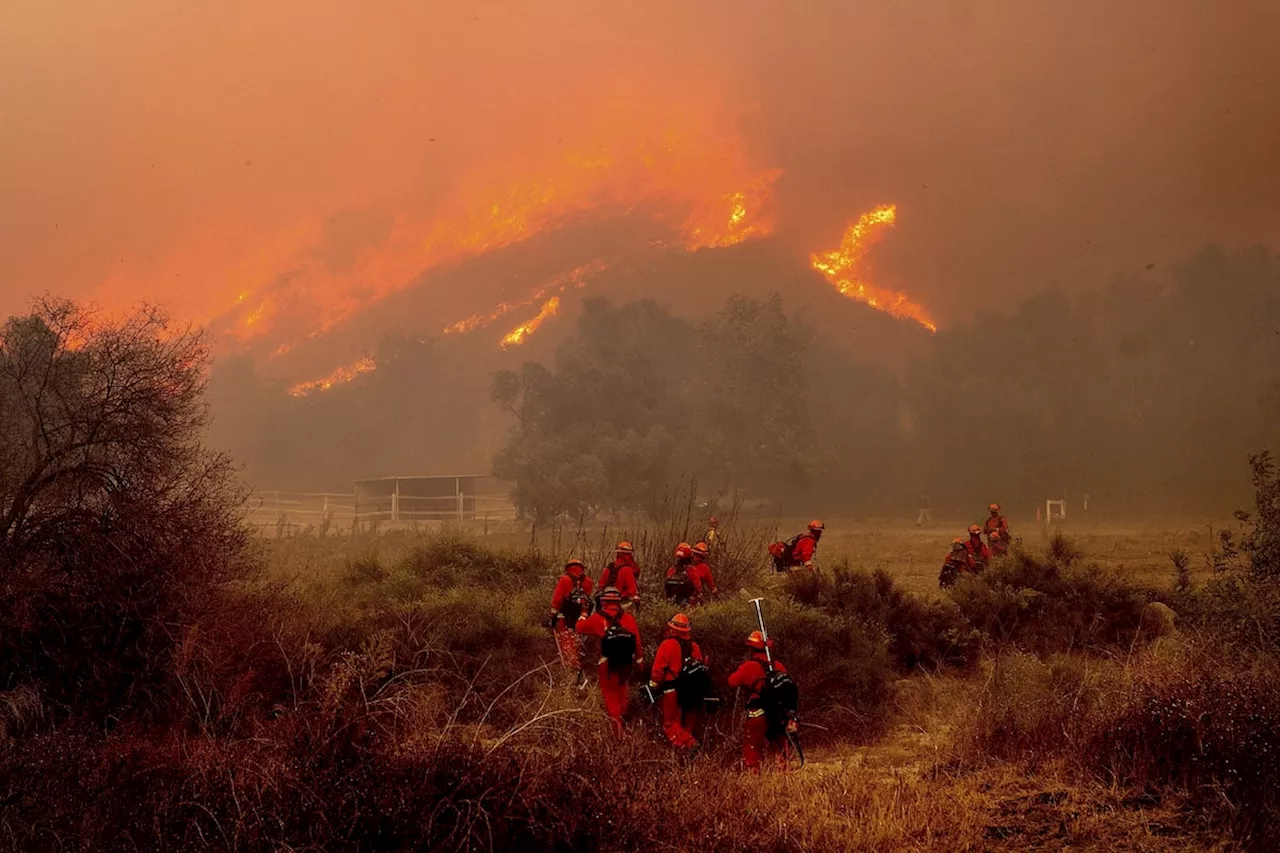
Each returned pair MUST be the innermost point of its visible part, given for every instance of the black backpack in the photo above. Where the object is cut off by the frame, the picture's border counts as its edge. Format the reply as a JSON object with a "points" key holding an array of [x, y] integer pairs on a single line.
{"points": [[618, 647], [576, 603], [679, 587], [780, 699], [784, 553], [693, 684]]}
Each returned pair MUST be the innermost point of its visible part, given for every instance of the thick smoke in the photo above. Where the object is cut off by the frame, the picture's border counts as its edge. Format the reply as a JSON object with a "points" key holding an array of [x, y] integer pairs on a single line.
{"points": [[166, 152]]}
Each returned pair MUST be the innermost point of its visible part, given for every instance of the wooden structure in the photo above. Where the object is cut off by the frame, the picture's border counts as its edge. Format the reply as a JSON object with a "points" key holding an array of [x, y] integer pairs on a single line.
{"points": [[423, 498]]}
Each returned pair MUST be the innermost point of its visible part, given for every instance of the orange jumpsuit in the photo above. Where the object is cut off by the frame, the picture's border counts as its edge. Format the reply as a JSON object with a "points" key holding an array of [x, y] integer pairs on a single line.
{"points": [[677, 724], [613, 682], [755, 729]]}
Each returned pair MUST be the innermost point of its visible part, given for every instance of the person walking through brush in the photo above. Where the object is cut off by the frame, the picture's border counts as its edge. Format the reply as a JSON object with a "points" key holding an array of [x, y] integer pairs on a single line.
{"points": [[570, 601], [998, 543], [680, 683], [702, 568], [978, 550], [712, 536], [996, 522], [623, 573], [771, 702], [958, 563], [799, 551], [683, 584], [620, 651], [997, 530]]}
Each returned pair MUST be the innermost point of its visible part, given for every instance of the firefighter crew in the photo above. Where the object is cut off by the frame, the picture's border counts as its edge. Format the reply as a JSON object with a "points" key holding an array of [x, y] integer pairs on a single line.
{"points": [[570, 601], [701, 551], [620, 651], [669, 662], [757, 738], [958, 562], [623, 574], [978, 550]]}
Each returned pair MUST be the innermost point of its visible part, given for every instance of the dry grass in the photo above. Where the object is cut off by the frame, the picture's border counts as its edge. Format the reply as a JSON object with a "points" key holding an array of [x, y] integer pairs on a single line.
{"points": [[397, 693]]}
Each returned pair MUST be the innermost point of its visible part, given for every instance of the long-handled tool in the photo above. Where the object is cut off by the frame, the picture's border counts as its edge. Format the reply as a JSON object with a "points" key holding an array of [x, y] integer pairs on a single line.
{"points": [[763, 632]]}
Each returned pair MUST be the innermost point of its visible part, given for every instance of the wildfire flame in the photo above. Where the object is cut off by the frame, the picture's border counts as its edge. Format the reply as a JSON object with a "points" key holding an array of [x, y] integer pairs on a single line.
{"points": [[576, 277], [338, 377], [840, 266], [678, 166], [517, 336]]}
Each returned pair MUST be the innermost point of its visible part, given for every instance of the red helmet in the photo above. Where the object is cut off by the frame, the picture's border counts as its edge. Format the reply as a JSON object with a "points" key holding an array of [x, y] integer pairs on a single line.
{"points": [[625, 547], [994, 508], [683, 551], [993, 535], [957, 544], [817, 526], [679, 625], [713, 521], [756, 640], [701, 549], [975, 530], [574, 561]]}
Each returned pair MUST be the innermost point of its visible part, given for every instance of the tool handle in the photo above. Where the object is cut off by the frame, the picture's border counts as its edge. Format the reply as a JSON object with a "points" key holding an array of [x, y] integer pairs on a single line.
{"points": [[768, 653]]}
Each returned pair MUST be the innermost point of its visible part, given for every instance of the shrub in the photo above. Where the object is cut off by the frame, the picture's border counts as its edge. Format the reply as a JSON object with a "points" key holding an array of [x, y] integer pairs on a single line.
{"points": [[1051, 603], [364, 569], [452, 559], [922, 634], [1029, 709], [1207, 725]]}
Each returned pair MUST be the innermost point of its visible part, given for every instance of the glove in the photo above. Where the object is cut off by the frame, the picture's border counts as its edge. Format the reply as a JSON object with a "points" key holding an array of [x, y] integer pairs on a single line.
{"points": [[792, 727]]}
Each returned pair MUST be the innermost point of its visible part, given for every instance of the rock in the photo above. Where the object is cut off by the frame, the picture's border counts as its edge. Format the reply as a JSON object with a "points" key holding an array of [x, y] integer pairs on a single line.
{"points": [[1159, 620]]}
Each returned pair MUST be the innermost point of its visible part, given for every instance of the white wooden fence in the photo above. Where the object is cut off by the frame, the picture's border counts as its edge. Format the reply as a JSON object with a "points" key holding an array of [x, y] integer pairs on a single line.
{"points": [[333, 513]]}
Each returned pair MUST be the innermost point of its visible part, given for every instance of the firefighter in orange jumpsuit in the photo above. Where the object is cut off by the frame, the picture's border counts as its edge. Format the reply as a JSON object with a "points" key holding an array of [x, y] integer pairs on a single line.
{"points": [[807, 546], [620, 651], [751, 676], [570, 601], [996, 522], [673, 656], [623, 574], [958, 563], [683, 583], [706, 580], [978, 550]]}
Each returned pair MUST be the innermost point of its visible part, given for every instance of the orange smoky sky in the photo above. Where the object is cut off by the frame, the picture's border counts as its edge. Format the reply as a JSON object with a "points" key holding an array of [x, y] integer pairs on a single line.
{"points": [[192, 153]]}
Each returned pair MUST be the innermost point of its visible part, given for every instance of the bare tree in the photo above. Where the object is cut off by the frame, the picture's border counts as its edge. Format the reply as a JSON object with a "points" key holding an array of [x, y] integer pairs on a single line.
{"points": [[117, 526]]}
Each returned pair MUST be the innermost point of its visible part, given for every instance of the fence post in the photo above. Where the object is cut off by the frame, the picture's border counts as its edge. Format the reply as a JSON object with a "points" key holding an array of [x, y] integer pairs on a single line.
{"points": [[395, 504]]}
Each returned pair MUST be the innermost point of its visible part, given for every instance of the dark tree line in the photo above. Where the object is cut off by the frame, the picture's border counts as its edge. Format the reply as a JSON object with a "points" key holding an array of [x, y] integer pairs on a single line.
{"points": [[1148, 396]]}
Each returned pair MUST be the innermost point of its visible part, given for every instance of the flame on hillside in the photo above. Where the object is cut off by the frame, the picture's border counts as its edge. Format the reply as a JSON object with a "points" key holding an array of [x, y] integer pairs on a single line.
{"points": [[576, 278], [341, 376], [520, 333], [841, 268], [680, 167]]}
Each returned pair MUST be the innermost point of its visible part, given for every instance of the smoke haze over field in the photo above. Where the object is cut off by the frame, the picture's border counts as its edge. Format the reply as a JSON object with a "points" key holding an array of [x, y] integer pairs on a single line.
{"points": [[378, 208], [192, 153]]}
